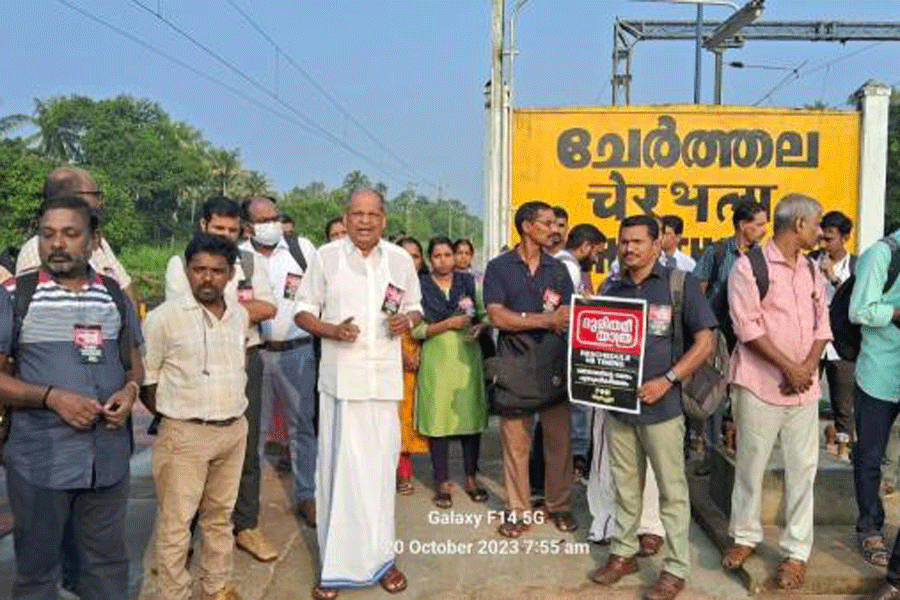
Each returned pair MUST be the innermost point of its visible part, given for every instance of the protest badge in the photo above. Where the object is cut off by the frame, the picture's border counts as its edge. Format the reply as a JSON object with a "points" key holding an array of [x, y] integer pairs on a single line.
{"points": [[606, 352], [393, 298]]}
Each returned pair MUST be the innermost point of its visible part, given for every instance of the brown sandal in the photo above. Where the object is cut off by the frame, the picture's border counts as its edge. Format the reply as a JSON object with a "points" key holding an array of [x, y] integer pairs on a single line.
{"points": [[512, 529], [736, 556], [323, 593], [791, 574], [405, 487], [394, 581]]}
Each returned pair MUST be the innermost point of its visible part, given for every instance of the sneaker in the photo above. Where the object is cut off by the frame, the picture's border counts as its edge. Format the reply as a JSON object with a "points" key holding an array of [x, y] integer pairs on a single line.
{"points": [[255, 544]]}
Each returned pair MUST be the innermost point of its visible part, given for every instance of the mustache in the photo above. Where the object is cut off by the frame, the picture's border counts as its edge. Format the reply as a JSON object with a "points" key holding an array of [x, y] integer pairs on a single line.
{"points": [[59, 256]]}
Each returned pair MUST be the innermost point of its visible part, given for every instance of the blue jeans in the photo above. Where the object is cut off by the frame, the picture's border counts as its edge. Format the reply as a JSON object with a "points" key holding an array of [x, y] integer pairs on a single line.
{"points": [[290, 377], [581, 434]]}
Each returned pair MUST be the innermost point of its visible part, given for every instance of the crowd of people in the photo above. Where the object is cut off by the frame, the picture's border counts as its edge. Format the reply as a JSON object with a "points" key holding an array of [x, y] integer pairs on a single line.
{"points": [[377, 350]]}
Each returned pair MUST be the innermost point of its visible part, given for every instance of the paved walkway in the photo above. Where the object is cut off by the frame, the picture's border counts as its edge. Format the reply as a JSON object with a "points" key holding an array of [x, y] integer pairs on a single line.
{"points": [[548, 564]]}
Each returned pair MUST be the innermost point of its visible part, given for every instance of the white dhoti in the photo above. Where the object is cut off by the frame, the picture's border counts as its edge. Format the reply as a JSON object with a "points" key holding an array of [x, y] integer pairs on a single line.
{"points": [[601, 494], [359, 445]]}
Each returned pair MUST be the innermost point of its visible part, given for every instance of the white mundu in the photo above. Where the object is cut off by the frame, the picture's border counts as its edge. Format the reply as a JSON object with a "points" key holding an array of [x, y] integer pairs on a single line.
{"points": [[360, 384]]}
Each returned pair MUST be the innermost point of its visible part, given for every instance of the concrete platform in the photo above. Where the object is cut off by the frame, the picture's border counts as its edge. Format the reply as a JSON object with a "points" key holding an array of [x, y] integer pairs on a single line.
{"points": [[835, 567], [835, 495]]}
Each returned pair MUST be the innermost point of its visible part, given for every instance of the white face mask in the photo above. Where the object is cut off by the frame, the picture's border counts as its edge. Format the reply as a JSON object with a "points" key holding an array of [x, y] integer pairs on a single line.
{"points": [[267, 234]]}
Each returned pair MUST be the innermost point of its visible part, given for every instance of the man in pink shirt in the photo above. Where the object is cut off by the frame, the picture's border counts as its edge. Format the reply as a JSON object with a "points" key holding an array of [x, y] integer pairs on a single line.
{"points": [[781, 322]]}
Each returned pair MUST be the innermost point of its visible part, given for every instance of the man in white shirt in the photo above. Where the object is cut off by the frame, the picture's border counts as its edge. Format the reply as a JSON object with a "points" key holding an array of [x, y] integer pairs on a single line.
{"points": [[289, 364], [79, 184], [249, 287], [672, 256], [559, 231], [837, 264], [360, 298]]}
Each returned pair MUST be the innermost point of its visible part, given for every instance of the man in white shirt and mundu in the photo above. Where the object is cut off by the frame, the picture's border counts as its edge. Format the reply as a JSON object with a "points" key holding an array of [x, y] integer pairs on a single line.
{"points": [[360, 297]]}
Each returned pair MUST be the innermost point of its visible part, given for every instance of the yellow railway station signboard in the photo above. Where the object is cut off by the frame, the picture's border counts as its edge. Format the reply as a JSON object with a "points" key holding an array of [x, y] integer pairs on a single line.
{"points": [[603, 164]]}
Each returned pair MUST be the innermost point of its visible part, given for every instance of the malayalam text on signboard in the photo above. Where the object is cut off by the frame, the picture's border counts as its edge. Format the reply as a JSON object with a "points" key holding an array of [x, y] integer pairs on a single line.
{"points": [[606, 352], [605, 164]]}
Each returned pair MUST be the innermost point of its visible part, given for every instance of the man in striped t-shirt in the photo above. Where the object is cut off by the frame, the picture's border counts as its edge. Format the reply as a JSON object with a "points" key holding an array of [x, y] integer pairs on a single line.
{"points": [[68, 450]]}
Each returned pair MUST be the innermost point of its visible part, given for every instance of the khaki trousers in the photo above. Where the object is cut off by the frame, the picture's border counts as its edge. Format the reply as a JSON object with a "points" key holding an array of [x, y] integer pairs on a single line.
{"points": [[630, 447], [515, 433], [196, 467], [759, 424]]}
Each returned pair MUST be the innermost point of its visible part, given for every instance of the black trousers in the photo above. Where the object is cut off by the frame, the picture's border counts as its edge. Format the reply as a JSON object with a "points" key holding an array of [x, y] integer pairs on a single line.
{"points": [[246, 508], [440, 453], [98, 523], [841, 381], [874, 419]]}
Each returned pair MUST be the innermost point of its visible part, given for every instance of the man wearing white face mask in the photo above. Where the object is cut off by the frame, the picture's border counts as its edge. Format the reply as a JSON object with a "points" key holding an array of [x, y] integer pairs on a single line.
{"points": [[289, 364]]}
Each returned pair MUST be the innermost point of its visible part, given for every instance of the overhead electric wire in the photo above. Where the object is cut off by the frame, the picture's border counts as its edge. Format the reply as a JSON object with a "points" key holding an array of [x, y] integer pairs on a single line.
{"points": [[318, 129], [784, 81], [334, 101], [819, 67]]}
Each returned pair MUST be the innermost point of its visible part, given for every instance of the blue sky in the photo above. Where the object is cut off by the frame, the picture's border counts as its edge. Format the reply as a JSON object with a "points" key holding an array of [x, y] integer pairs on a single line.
{"points": [[411, 71]]}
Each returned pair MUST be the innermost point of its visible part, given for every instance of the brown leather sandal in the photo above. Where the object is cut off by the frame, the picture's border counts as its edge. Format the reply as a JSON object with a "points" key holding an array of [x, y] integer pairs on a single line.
{"points": [[791, 574], [323, 593], [405, 487], [394, 581], [512, 529], [736, 556]]}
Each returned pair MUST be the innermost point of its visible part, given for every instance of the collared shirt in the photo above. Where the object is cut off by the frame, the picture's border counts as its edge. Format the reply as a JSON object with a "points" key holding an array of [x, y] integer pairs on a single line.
{"points": [[177, 285], [509, 282], [704, 269], [878, 363], [44, 449], [103, 260], [196, 359], [679, 260], [285, 275], [658, 352], [841, 270], [794, 315], [343, 283], [573, 267]]}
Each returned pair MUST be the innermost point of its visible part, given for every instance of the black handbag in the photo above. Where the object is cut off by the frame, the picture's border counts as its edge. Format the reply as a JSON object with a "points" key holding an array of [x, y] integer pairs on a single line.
{"points": [[528, 374]]}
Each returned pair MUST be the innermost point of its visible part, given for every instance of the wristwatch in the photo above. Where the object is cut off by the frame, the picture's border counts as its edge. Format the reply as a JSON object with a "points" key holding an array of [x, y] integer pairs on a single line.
{"points": [[672, 377]]}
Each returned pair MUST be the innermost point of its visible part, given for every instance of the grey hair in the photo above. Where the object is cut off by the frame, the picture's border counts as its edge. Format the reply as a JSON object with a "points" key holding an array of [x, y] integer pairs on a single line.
{"points": [[792, 208], [363, 189]]}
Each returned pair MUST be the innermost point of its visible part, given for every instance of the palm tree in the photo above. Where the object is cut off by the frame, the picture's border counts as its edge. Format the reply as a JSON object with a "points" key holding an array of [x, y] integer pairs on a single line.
{"points": [[226, 165], [254, 184], [12, 122]]}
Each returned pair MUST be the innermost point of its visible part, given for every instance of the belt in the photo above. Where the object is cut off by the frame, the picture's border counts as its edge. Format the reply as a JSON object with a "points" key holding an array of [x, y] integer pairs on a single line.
{"points": [[289, 345], [219, 423]]}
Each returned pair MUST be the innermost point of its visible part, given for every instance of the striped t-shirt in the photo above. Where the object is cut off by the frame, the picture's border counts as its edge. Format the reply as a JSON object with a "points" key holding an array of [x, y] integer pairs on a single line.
{"points": [[43, 448]]}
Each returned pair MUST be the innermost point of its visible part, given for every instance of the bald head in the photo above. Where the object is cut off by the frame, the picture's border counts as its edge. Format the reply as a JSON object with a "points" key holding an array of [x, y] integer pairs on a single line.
{"points": [[73, 183], [260, 210]]}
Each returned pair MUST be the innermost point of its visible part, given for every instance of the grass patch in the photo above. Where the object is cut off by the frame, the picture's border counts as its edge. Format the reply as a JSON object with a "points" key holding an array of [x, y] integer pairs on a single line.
{"points": [[146, 264]]}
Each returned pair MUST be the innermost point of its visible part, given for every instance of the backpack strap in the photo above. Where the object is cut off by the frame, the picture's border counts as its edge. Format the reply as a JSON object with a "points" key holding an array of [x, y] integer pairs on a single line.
{"points": [[718, 259], [124, 338], [294, 247], [26, 284], [761, 270], [247, 265], [676, 291], [894, 266]]}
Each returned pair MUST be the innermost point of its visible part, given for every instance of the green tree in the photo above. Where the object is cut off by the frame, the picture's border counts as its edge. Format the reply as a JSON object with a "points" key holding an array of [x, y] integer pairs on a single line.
{"points": [[892, 201]]}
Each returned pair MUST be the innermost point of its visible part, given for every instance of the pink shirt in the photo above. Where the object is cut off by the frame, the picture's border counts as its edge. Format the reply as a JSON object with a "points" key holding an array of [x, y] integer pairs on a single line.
{"points": [[794, 314]]}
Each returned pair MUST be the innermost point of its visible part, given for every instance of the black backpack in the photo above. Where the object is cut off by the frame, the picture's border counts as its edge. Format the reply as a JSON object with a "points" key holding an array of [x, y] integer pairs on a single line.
{"points": [[719, 302], [847, 336]]}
